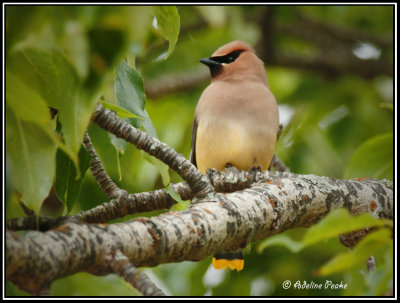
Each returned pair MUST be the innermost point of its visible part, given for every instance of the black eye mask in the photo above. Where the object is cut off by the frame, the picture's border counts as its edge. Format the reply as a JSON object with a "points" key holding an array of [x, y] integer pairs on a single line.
{"points": [[215, 63], [229, 58]]}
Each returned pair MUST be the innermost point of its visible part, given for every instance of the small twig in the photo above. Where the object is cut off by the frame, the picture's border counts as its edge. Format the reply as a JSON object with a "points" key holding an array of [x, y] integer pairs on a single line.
{"points": [[28, 212], [123, 267], [175, 83], [135, 203], [344, 34], [109, 121], [335, 42], [278, 165], [100, 174]]}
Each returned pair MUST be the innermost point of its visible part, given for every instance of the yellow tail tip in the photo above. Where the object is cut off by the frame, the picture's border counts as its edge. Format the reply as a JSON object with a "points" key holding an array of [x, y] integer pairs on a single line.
{"points": [[237, 264]]}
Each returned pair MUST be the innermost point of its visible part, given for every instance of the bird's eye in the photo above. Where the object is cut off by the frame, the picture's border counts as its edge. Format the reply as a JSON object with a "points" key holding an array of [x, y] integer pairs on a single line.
{"points": [[229, 58]]}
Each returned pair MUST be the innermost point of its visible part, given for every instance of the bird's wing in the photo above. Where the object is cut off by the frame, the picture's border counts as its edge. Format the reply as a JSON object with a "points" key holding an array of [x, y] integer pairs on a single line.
{"points": [[193, 146]]}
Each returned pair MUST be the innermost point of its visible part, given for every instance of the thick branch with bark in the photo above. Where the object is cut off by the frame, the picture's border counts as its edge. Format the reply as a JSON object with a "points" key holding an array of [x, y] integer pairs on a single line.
{"points": [[35, 259], [256, 205], [129, 204]]}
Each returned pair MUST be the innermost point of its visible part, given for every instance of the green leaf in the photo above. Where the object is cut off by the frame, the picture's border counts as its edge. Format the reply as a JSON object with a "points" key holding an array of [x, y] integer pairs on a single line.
{"points": [[121, 112], [32, 153], [119, 144], [338, 222], [68, 181], [106, 45], [26, 102], [281, 240], [148, 125], [168, 23], [161, 166], [118, 161], [380, 280], [28, 105], [373, 159], [370, 245], [176, 196], [50, 75], [47, 72], [129, 91], [129, 96]]}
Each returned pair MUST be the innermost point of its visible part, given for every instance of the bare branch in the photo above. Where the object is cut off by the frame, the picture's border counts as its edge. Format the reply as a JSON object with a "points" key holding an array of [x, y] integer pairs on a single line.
{"points": [[100, 174], [334, 45], [176, 82], [25, 209], [133, 276], [109, 121], [344, 34], [132, 204], [278, 165]]}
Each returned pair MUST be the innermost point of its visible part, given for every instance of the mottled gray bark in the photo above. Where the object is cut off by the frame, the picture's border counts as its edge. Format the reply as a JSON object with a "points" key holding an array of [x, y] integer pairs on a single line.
{"points": [[227, 221], [133, 276]]}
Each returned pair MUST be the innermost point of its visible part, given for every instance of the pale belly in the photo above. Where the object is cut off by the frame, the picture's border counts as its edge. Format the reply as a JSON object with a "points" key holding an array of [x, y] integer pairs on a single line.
{"points": [[219, 144]]}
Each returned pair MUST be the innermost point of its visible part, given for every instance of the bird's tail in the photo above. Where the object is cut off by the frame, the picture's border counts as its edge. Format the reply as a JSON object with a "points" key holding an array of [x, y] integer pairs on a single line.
{"points": [[233, 260]]}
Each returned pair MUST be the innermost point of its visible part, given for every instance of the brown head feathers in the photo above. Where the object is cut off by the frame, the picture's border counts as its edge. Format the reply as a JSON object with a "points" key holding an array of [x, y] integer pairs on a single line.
{"points": [[236, 61]]}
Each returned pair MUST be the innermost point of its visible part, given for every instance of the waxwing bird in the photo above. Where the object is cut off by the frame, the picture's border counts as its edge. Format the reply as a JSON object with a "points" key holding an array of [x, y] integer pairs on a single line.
{"points": [[236, 120]]}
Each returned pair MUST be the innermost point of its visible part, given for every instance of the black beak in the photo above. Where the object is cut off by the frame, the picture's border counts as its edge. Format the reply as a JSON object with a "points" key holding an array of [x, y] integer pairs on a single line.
{"points": [[213, 65], [209, 62]]}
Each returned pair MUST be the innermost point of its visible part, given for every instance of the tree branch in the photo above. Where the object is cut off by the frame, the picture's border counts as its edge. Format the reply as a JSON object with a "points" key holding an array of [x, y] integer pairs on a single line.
{"points": [[176, 82], [99, 173], [133, 276], [35, 259], [109, 121], [135, 203], [129, 204]]}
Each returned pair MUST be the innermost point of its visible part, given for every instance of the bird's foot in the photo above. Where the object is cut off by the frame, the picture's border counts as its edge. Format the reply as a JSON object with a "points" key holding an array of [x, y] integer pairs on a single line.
{"points": [[229, 168], [253, 172], [211, 172]]}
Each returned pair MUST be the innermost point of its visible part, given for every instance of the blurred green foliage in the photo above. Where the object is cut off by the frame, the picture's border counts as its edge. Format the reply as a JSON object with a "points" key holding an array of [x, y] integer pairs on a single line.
{"points": [[328, 123]]}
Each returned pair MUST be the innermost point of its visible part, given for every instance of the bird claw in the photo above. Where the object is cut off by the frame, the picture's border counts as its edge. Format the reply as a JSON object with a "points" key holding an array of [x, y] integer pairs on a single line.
{"points": [[253, 172], [211, 172], [255, 169], [229, 168]]}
